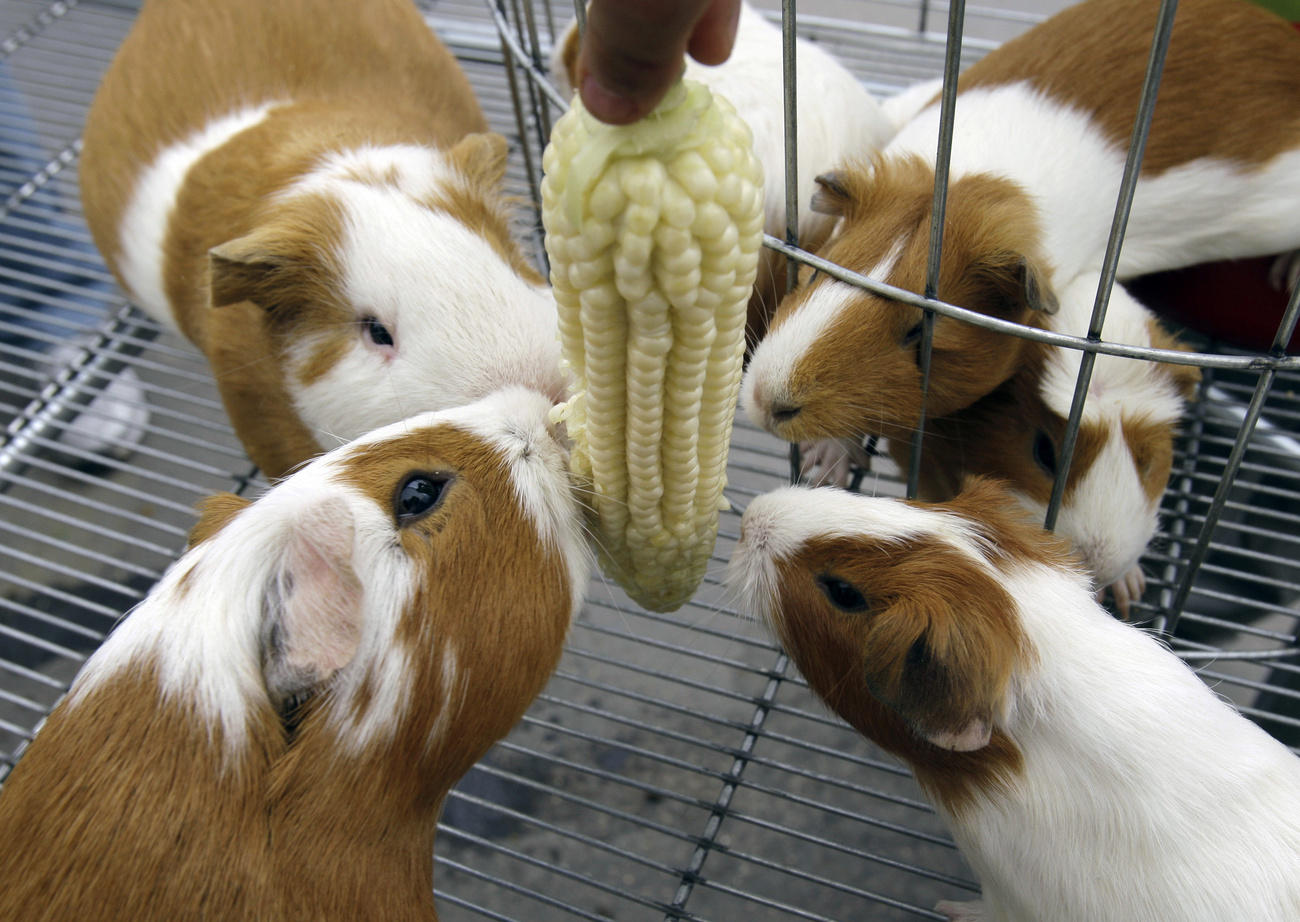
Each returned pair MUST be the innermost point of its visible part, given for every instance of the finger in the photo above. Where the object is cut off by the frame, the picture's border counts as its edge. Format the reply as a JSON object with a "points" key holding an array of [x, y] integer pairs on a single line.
{"points": [[633, 51], [715, 33]]}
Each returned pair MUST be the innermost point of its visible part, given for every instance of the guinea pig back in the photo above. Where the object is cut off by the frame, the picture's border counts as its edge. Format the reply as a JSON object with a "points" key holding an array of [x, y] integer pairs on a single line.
{"points": [[271, 733], [305, 189]]}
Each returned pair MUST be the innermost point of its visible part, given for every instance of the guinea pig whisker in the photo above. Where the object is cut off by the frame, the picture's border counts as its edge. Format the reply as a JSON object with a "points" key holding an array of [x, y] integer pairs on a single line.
{"points": [[403, 413], [235, 369]]}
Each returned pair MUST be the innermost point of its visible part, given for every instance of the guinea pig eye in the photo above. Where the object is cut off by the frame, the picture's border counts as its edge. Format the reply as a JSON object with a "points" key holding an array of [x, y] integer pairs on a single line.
{"points": [[1045, 453], [418, 495], [377, 332], [841, 593]]}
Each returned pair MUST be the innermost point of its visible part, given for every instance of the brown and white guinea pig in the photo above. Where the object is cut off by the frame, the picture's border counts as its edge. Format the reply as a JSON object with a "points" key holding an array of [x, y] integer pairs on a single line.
{"points": [[1041, 132], [1122, 456], [306, 190], [838, 119], [271, 733], [1086, 773]]}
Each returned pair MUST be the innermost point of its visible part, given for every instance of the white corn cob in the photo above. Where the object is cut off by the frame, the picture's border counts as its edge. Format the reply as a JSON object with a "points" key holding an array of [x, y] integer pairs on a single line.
{"points": [[653, 232]]}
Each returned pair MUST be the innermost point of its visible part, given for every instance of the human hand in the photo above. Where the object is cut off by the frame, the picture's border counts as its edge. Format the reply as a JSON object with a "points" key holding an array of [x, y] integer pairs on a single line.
{"points": [[633, 50]]}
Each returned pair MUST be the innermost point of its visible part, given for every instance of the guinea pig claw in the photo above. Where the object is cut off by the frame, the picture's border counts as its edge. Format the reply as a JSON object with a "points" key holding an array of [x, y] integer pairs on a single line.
{"points": [[961, 912], [1126, 590], [830, 462]]}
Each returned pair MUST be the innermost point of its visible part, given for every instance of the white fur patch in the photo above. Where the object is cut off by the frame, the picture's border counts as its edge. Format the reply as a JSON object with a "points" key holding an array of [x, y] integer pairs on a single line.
{"points": [[463, 322], [143, 227], [204, 629], [1118, 385], [1203, 210], [415, 171], [1212, 209], [1094, 830]]}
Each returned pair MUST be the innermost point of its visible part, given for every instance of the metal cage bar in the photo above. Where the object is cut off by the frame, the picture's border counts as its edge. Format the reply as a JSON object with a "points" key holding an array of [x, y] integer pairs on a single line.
{"points": [[676, 766]]}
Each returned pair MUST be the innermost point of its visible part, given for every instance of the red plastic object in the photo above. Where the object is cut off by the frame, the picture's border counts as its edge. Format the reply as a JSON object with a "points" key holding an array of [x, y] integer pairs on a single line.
{"points": [[1231, 301]]}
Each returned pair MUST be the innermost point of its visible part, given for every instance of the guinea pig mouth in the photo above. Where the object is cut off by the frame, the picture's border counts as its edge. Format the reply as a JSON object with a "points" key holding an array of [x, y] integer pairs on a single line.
{"points": [[559, 433]]}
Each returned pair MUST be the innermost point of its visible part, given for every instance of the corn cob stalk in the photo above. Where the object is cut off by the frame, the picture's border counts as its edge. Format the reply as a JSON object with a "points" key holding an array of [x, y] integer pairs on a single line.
{"points": [[653, 232]]}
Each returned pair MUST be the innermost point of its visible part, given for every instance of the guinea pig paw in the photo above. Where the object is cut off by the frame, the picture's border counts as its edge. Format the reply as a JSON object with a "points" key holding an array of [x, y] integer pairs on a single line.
{"points": [[961, 912], [830, 462], [1285, 271], [1126, 590]]}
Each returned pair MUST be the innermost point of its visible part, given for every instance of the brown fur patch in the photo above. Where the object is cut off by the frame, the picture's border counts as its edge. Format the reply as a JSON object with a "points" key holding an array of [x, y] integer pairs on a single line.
{"points": [[934, 651], [253, 391], [1152, 451], [215, 512], [996, 437], [863, 375], [124, 808], [1228, 88], [1187, 378]]}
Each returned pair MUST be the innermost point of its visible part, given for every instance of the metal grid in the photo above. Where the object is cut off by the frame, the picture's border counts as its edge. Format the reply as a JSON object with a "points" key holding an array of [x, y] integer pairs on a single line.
{"points": [[677, 766]]}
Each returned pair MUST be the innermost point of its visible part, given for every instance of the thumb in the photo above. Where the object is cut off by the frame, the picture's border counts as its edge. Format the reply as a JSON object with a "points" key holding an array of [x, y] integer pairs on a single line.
{"points": [[633, 50]]}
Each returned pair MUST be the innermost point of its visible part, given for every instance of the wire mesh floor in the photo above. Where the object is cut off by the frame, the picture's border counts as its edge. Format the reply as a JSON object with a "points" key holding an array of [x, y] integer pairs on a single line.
{"points": [[677, 766]]}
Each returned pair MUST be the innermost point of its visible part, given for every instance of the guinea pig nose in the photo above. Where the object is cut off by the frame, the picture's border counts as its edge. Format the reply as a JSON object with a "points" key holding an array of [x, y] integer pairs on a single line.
{"points": [[784, 412]]}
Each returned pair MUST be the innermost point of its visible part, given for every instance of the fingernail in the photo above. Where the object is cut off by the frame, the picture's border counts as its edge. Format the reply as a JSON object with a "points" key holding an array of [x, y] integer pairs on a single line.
{"points": [[611, 108]]}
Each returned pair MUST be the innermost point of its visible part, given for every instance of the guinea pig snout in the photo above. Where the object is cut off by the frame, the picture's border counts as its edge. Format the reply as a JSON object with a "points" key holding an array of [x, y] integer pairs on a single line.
{"points": [[768, 402]]}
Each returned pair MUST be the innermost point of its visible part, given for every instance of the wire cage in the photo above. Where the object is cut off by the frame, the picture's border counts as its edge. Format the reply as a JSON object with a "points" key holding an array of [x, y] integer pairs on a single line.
{"points": [[677, 766]]}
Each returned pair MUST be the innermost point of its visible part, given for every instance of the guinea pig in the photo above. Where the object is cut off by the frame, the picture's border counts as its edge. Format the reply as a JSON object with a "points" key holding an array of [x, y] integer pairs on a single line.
{"points": [[271, 733], [1086, 773], [305, 189], [838, 118], [1039, 142], [1122, 456]]}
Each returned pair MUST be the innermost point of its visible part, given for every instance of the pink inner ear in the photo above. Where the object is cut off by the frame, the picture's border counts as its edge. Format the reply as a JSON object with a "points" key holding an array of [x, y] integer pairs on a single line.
{"points": [[975, 735], [322, 615]]}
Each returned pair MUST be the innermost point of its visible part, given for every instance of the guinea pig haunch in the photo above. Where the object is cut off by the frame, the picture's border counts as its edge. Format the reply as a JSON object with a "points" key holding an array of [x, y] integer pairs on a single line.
{"points": [[271, 733], [1086, 772], [1039, 139], [305, 189]]}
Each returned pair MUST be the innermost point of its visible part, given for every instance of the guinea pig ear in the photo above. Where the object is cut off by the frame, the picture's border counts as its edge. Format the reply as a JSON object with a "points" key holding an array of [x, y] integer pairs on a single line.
{"points": [[239, 269], [1017, 284], [832, 195], [214, 512], [314, 604], [942, 671], [482, 158]]}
